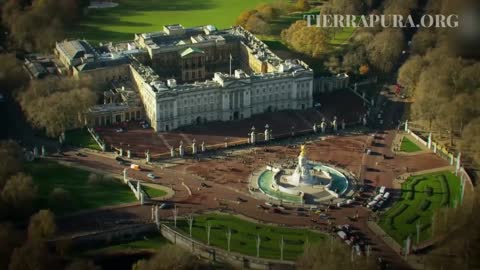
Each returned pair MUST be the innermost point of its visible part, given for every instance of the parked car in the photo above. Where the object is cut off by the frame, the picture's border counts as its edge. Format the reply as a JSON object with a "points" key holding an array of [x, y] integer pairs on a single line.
{"points": [[151, 176], [119, 130], [166, 205]]}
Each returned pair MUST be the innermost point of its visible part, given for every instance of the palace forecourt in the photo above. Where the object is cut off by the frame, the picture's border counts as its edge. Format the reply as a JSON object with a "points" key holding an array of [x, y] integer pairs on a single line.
{"points": [[183, 76]]}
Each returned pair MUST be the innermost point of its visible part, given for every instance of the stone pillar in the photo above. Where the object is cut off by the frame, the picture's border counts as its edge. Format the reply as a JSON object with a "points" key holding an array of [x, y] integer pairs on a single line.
{"points": [[147, 156], [194, 147], [267, 133], [172, 152], [142, 199], [120, 152], [457, 168], [323, 125], [44, 152], [157, 216], [138, 189], [125, 176], [203, 147], [35, 152], [252, 136], [334, 124], [315, 129], [364, 120], [129, 154], [180, 149], [406, 125], [434, 147], [429, 144]]}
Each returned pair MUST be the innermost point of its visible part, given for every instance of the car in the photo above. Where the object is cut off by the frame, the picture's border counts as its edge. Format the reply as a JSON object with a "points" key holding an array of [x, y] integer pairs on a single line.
{"points": [[165, 205], [240, 199], [204, 185], [268, 204], [119, 130], [151, 176]]}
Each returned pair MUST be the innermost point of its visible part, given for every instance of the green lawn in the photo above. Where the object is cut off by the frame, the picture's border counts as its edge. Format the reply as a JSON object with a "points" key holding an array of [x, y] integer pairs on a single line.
{"points": [[154, 192], [409, 146], [140, 16], [83, 195], [150, 243], [421, 196], [81, 138], [244, 236]]}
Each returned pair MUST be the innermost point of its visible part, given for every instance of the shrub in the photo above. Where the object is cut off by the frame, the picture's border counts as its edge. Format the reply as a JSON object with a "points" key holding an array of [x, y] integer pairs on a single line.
{"points": [[429, 191], [412, 219], [425, 204]]}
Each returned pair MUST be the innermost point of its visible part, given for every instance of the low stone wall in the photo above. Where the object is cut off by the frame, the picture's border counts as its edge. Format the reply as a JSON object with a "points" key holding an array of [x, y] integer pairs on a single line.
{"points": [[220, 255]]}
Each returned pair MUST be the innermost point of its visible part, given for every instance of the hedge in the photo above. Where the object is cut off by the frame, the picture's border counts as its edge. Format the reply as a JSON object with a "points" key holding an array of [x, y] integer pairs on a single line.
{"points": [[412, 219], [424, 205]]}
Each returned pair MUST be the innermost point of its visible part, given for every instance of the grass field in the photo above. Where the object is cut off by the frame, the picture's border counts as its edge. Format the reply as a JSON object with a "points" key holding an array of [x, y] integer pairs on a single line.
{"points": [[83, 195], [81, 138], [153, 192], [421, 196], [140, 16], [151, 243], [408, 146], [244, 236]]}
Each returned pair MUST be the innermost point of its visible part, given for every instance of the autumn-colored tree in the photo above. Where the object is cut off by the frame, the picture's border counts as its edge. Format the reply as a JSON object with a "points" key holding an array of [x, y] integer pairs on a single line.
{"points": [[409, 73], [333, 64], [42, 225], [19, 194], [354, 59], [303, 5], [56, 104], [332, 256], [364, 69], [9, 239], [169, 257], [244, 16], [34, 255], [311, 41], [385, 49], [12, 75], [257, 25], [12, 160]]}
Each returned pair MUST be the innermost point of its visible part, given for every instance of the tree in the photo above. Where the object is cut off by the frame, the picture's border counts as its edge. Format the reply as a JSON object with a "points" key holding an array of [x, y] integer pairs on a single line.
{"points": [[354, 59], [409, 73], [19, 194], [354, 7], [333, 64], [364, 69], [385, 49], [302, 5], [423, 40], [82, 265], [403, 8], [56, 105], [9, 239], [12, 160], [460, 249], [42, 225], [332, 256], [12, 75], [244, 16], [256, 24], [470, 143], [60, 198], [311, 41], [168, 257], [33, 255]]}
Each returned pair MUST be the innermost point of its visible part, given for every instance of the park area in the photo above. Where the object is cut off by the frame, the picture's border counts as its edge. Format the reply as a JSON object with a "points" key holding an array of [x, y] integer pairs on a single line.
{"points": [[139, 16], [409, 146], [81, 190], [244, 236], [81, 138], [421, 196]]}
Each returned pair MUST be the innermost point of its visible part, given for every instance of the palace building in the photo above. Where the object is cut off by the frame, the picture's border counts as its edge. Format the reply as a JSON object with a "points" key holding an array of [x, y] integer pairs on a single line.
{"points": [[185, 76]]}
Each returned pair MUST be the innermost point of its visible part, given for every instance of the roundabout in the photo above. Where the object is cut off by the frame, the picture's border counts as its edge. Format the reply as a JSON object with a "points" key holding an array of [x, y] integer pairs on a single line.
{"points": [[306, 183]]}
